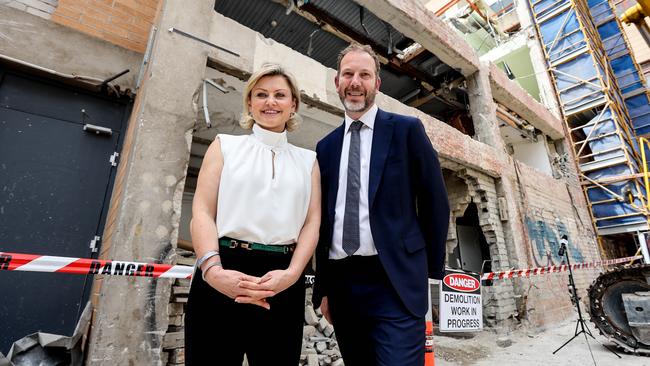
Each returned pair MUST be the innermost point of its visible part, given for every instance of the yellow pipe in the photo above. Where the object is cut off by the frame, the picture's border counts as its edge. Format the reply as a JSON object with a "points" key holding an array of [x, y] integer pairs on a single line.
{"points": [[635, 14], [645, 169]]}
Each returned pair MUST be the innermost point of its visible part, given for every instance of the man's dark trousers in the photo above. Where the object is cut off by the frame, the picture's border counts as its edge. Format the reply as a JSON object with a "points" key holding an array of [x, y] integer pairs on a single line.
{"points": [[371, 323]]}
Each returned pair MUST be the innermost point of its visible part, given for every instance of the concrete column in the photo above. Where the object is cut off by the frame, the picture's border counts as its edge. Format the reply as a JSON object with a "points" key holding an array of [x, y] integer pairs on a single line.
{"points": [[483, 109], [131, 317]]}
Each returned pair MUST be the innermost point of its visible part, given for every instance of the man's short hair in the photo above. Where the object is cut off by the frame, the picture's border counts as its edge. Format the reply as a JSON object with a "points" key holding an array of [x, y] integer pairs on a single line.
{"points": [[356, 47]]}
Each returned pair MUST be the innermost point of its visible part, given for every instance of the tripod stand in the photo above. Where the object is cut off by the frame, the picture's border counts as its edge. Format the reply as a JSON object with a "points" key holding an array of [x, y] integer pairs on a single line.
{"points": [[581, 326]]}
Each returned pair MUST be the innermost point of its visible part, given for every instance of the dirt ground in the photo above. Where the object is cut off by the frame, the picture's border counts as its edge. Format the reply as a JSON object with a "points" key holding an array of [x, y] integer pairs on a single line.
{"points": [[530, 348]]}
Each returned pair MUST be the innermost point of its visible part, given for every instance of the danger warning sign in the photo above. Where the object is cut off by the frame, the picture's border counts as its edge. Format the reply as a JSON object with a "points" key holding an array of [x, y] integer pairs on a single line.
{"points": [[461, 308]]}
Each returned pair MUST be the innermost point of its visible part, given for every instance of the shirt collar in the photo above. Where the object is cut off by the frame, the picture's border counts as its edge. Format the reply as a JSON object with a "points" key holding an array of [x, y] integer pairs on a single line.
{"points": [[270, 138], [368, 118]]}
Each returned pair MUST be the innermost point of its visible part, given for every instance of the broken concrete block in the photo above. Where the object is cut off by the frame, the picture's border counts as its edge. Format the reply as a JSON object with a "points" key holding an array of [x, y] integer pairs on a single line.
{"points": [[329, 329], [312, 360], [330, 352], [322, 324], [321, 346], [310, 316], [308, 331], [504, 342]]}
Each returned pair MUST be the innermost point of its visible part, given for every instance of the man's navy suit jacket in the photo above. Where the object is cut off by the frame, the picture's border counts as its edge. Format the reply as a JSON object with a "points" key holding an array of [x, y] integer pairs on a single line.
{"points": [[409, 210]]}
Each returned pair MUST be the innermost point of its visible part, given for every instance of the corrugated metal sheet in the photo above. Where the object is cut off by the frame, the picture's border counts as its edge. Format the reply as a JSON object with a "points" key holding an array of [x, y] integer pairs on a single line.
{"points": [[271, 20], [291, 30]]}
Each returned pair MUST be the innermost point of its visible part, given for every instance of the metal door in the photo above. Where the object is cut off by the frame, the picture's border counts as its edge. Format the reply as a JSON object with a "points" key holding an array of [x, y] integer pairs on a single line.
{"points": [[55, 183]]}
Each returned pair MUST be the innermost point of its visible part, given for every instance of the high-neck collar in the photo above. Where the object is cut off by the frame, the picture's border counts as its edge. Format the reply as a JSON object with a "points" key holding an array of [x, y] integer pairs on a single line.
{"points": [[270, 138]]}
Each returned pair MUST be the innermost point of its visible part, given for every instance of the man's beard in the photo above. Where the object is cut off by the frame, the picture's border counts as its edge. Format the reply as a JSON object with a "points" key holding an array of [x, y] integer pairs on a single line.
{"points": [[358, 106]]}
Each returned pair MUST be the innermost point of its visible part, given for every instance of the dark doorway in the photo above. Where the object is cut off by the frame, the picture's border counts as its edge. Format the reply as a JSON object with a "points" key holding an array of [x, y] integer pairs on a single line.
{"points": [[56, 178], [473, 250]]}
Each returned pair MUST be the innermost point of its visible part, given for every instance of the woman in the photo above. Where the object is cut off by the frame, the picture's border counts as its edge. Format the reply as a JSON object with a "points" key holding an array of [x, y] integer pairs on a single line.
{"points": [[256, 216]]}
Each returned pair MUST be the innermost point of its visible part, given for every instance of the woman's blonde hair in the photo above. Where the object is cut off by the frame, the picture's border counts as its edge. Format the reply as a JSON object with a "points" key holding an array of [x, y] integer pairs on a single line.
{"points": [[268, 69]]}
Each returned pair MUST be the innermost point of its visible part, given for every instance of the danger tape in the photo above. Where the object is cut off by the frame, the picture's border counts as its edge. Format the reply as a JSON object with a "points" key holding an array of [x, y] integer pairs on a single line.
{"points": [[46, 263], [552, 269]]}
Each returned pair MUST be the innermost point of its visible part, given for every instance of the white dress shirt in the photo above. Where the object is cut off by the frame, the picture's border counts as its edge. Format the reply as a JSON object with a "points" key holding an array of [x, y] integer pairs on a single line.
{"points": [[367, 246], [265, 187]]}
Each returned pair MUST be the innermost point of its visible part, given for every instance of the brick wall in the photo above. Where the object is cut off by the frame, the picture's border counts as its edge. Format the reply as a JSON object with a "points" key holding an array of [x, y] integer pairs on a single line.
{"points": [[41, 8], [553, 207], [125, 23]]}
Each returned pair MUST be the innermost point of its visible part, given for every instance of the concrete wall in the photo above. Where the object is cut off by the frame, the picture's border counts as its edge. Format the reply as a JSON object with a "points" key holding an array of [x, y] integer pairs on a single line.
{"points": [[533, 154], [43, 43]]}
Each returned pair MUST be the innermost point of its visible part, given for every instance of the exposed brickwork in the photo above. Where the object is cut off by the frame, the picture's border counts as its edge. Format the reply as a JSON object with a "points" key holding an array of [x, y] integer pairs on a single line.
{"points": [[125, 23], [41, 8]]}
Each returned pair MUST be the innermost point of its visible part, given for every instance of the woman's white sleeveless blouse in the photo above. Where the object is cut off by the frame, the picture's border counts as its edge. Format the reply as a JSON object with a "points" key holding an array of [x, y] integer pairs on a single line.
{"points": [[265, 187]]}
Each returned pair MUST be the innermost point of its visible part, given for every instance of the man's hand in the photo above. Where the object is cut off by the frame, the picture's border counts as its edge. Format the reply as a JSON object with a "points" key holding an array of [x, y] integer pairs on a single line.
{"points": [[226, 281], [325, 309]]}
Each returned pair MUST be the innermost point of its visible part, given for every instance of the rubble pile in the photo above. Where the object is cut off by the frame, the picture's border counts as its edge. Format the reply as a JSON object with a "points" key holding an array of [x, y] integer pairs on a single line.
{"points": [[319, 346]]}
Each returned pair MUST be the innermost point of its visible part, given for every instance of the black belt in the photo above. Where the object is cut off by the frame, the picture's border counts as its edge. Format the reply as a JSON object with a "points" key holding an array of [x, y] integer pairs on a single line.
{"points": [[249, 245]]}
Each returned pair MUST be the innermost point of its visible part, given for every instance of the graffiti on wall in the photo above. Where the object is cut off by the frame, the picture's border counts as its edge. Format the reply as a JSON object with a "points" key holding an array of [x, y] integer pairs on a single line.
{"points": [[545, 242]]}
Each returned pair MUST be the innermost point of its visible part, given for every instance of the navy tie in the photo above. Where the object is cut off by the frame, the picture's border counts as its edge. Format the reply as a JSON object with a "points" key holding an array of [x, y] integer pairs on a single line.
{"points": [[351, 240]]}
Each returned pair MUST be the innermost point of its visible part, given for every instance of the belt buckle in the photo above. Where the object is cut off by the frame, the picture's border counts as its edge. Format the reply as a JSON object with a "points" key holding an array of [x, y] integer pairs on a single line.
{"points": [[233, 244], [246, 246]]}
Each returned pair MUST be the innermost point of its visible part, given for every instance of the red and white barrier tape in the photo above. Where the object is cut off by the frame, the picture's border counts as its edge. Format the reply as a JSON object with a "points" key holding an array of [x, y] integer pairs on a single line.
{"points": [[552, 269], [46, 263]]}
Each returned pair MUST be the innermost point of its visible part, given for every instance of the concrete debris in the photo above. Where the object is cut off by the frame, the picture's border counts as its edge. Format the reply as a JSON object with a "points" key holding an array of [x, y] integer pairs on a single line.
{"points": [[310, 316], [308, 330], [319, 343], [46, 349], [320, 347], [504, 342], [312, 360], [322, 324]]}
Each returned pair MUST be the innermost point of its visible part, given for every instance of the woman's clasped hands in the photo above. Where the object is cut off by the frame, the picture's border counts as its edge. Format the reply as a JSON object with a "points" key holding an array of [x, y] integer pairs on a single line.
{"points": [[271, 284], [246, 289]]}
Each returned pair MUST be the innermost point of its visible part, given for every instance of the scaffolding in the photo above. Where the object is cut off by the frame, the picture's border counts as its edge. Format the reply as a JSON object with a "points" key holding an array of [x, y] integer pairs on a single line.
{"points": [[628, 74], [589, 62]]}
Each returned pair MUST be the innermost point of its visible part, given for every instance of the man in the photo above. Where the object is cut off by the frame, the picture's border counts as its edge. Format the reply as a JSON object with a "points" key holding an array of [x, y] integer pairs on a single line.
{"points": [[384, 223]]}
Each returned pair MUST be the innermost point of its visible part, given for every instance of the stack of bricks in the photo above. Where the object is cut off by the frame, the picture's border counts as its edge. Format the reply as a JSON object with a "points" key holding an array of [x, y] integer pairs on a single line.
{"points": [[125, 23], [174, 341]]}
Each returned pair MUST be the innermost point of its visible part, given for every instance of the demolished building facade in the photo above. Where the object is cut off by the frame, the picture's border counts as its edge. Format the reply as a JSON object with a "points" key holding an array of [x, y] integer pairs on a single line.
{"points": [[509, 168]]}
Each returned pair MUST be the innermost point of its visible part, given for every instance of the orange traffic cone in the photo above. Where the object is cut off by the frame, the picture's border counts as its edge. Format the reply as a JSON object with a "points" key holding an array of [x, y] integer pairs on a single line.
{"points": [[429, 359]]}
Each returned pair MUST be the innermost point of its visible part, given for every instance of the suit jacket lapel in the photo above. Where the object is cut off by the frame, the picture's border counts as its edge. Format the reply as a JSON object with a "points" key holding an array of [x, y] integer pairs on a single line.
{"points": [[334, 166], [382, 135]]}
